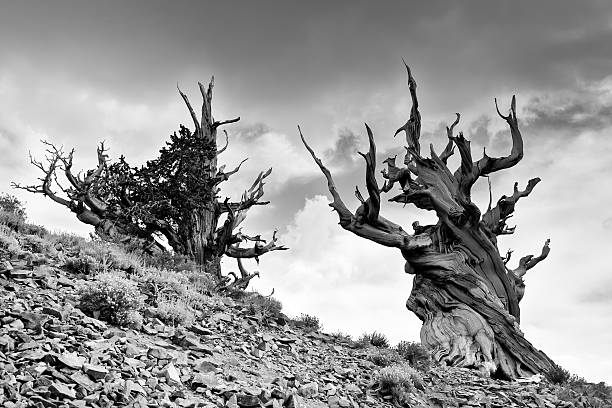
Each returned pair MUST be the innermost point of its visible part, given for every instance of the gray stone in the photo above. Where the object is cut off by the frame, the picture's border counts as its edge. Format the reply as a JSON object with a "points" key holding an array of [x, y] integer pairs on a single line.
{"points": [[72, 360], [95, 371], [309, 390], [172, 375]]}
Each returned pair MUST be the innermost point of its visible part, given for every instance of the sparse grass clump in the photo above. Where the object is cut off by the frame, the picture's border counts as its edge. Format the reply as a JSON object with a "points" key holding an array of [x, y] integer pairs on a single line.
{"points": [[342, 337], [67, 241], [175, 312], [398, 381], [372, 339], [416, 354], [579, 392], [308, 322], [113, 298], [172, 261], [383, 357], [158, 284], [200, 282]]}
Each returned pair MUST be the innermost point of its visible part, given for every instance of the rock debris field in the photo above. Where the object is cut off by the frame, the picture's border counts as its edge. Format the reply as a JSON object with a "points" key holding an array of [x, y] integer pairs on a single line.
{"points": [[53, 355]]}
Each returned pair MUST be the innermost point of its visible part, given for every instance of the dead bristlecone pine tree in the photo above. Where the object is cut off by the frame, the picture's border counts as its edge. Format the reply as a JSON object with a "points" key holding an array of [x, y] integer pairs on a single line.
{"points": [[463, 292]]}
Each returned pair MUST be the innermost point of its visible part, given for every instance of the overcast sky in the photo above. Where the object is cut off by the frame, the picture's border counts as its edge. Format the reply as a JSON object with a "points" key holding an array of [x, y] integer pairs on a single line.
{"points": [[79, 72]]}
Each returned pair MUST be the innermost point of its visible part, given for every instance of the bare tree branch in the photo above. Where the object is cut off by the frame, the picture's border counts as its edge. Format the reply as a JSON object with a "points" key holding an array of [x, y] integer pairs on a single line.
{"points": [[371, 207], [494, 220], [488, 165], [412, 127], [384, 232], [256, 250], [393, 174], [194, 118], [529, 261], [450, 147]]}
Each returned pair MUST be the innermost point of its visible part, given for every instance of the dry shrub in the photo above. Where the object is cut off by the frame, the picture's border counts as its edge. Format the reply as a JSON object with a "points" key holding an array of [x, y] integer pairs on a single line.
{"points": [[308, 322], [113, 298], [175, 312], [416, 354], [398, 381], [372, 339], [265, 307]]}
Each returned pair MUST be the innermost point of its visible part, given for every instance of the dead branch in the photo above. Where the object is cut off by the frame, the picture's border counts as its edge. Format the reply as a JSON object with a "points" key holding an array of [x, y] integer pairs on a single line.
{"points": [[384, 232], [494, 220]]}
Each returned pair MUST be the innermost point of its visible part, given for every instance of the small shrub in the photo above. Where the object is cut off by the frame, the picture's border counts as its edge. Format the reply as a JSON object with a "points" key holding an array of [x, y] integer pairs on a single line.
{"points": [[107, 256], [266, 307], [121, 259], [398, 381], [116, 299], [174, 312], [416, 354], [373, 339], [384, 357], [12, 220], [33, 229], [8, 241], [558, 375], [38, 245], [11, 204], [84, 264], [308, 322]]}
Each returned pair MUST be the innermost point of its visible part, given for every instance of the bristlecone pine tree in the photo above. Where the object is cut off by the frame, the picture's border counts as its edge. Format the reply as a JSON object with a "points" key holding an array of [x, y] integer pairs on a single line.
{"points": [[174, 196], [463, 292]]}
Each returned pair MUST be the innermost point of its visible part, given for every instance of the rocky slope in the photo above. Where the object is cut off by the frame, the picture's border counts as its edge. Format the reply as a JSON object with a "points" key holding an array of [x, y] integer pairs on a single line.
{"points": [[53, 355]]}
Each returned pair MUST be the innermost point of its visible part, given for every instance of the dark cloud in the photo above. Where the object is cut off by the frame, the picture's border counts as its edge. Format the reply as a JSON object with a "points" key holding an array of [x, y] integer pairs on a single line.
{"points": [[248, 133], [581, 112], [345, 149], [278, 60]]}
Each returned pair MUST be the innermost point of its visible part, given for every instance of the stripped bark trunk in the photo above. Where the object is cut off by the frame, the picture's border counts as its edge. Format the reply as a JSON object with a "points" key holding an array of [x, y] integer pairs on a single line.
{"points": [[201, 240], [464, 323]]}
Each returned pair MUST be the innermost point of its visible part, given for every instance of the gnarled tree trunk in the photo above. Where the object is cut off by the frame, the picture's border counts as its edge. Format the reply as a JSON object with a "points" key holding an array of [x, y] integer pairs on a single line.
{"points": [[463, 291]]}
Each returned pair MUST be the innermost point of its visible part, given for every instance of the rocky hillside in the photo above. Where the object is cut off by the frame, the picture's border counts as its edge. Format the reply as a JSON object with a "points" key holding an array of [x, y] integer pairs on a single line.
{"points": [[231, 352]]}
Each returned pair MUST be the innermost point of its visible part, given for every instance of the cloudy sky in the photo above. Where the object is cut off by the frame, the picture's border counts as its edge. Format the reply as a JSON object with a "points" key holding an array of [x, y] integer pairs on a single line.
{"points": [[79, 72]]}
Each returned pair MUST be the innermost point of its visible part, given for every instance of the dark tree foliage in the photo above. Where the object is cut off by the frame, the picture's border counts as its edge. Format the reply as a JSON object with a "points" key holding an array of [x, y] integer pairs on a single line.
{"points": [[174, 195]]}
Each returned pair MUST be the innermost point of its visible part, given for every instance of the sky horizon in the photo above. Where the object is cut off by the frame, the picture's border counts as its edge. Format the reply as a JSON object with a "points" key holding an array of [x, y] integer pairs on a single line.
{"points": [[79, 72]]}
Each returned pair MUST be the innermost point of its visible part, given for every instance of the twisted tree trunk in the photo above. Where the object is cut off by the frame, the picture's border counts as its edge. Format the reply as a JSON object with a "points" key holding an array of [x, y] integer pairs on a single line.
{"points": [[463, 292]]}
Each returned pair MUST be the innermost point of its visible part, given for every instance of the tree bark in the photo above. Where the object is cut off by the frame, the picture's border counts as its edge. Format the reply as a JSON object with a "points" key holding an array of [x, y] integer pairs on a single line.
{"points": [[200, 241], [464, 323]]}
